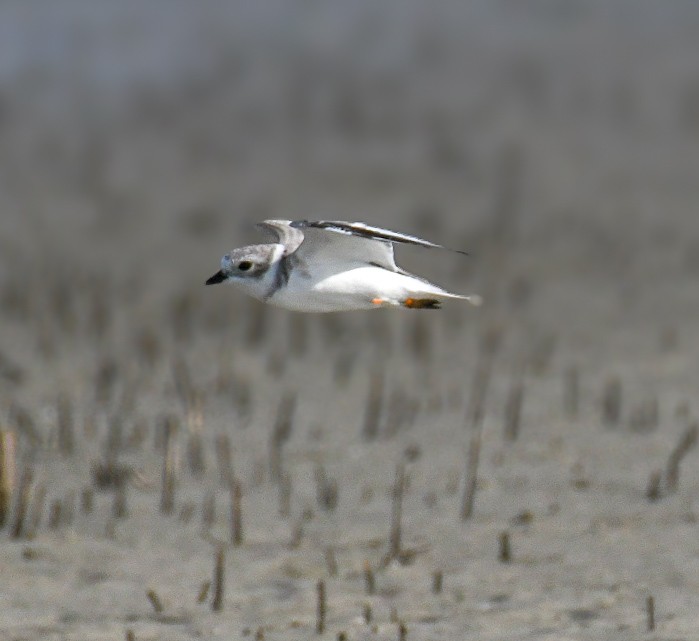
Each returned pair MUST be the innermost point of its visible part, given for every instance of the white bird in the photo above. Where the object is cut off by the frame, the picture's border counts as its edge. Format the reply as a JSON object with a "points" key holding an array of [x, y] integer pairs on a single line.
{"points": [[330, 266]]}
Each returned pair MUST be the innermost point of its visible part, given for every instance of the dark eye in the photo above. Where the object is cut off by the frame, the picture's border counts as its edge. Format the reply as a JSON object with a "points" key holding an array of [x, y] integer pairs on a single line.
{"points": [[244, 266]]}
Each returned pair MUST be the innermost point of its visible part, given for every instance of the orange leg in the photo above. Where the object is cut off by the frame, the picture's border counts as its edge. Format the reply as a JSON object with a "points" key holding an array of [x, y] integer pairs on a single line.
{"points": [[421, 303]]}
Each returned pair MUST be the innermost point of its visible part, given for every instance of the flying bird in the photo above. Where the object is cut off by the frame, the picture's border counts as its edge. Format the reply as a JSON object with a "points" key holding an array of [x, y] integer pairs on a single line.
{"points": [[330, 266]]}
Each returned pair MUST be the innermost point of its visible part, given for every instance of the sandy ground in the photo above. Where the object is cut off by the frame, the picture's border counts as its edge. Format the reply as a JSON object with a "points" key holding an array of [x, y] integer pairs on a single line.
{"points": [[556, 143]]}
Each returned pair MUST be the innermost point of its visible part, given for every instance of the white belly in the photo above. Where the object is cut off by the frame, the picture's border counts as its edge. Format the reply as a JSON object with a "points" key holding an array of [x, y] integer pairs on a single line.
{"points": [[352, 289]]}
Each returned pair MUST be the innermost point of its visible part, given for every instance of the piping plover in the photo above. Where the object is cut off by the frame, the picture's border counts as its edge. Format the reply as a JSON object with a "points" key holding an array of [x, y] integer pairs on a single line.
{"points": [[330, 266]]}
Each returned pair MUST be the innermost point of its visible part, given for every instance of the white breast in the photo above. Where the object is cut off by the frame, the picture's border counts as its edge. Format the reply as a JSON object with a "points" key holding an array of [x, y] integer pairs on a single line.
{"points": [[351, 289]]}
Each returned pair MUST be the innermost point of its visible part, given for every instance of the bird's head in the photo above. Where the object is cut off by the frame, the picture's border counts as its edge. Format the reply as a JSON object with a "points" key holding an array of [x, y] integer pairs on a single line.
{"points": [[246, 267]]}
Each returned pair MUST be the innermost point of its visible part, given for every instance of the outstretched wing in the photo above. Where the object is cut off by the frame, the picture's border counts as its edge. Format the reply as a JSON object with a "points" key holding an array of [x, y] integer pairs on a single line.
{"points": [[341, 243], [336, 243], [362, 230]]}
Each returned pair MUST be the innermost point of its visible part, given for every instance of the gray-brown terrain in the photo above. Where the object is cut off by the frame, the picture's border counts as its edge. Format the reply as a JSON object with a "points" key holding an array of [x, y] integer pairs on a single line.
{"points": [[149, 423]]}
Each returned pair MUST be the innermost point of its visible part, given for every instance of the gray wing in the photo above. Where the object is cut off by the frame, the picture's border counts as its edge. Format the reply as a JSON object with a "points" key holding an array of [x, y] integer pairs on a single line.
{"points": [[362, 230], [284, 233], [343, 244]]}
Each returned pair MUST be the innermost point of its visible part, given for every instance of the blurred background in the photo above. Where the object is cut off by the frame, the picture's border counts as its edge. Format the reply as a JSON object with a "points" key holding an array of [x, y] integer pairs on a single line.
{"points": [[144, 141], [557, 142], [141, 142]]}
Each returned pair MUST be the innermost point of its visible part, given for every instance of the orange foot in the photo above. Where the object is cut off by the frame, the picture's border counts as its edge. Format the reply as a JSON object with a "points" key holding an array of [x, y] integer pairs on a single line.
{"points": [[421, 303]]}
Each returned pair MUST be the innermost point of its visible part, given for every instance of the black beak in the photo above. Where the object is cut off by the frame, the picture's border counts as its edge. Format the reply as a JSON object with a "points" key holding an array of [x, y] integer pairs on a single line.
{"points": [[217, 278]]}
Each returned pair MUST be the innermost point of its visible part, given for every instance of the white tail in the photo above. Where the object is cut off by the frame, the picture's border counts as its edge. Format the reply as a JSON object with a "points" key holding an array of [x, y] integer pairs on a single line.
{"points": [[474, 299]]}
